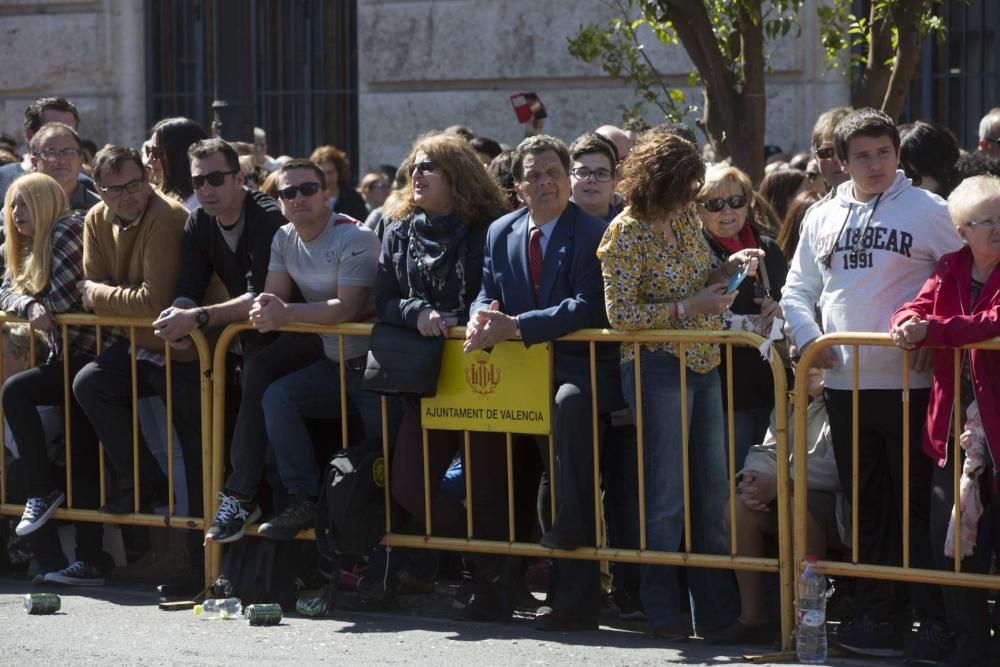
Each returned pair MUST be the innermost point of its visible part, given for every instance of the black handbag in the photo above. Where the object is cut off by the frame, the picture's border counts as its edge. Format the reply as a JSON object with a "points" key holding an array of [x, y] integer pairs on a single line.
{"points": [[402, 361]]}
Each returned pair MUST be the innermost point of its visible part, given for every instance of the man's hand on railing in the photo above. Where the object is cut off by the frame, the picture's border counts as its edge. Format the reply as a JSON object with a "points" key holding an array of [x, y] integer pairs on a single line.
{"points": [[268, 313], [87, 288], [488, 327], [174, 324], [39, 317]]}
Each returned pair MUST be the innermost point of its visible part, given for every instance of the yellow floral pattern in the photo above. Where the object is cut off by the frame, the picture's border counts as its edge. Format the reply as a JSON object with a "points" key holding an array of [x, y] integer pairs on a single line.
{"points": [[643, 274]]}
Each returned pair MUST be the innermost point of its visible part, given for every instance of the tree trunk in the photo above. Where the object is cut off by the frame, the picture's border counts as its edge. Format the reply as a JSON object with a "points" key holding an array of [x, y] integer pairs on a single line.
{"points": [[868, 90], [907, 55]]}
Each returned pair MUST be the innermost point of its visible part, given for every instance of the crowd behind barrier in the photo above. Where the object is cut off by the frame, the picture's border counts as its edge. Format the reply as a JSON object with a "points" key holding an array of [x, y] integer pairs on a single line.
{"points": [[670, 297]]}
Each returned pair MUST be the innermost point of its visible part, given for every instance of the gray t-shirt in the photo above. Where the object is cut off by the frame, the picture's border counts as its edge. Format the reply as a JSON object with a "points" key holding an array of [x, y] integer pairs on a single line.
{"points": [[343, 254]]}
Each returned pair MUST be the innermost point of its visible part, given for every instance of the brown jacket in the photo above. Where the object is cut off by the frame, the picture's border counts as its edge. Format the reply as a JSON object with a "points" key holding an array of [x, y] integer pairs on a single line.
{"points": [[139, 265]]}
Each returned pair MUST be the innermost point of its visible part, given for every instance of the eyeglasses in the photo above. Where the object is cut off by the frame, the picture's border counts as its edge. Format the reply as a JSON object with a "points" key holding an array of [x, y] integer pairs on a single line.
{"points": [[292, 191], [988, 225], [600, 175], [825, 153], [215, 178], [115, 191], [51, 154], [716, 204], [425, 167]]}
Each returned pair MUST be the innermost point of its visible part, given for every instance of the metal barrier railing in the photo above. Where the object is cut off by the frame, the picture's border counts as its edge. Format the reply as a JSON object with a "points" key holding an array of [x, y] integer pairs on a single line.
{"points": [[782, 565], [137, 518], [854, 568]]}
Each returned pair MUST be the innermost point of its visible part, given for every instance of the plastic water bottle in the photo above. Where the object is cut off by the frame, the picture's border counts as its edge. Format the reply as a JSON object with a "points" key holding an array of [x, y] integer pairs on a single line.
{"points": [[810, 640], [218, 608]]}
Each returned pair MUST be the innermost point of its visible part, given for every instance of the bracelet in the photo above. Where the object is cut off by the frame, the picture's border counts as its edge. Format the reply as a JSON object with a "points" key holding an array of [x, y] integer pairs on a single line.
{"points": [[681, 313]]}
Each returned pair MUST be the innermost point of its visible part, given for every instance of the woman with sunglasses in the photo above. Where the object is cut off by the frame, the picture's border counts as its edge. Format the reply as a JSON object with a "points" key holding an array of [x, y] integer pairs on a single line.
{"points": [[166, 152], [44, 262], [659, 273], [728, 218], [429, 274]]}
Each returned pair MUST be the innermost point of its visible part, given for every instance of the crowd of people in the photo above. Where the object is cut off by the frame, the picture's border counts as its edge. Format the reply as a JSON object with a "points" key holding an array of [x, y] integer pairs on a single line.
{"points": [[875, 229]]}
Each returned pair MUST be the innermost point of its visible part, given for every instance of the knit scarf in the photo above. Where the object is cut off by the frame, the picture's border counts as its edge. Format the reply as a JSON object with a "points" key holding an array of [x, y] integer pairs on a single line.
{"points": [[435, 260]]}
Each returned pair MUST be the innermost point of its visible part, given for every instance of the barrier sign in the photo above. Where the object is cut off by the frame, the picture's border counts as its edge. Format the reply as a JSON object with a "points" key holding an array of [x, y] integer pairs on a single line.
{"points": [[508, 390]]}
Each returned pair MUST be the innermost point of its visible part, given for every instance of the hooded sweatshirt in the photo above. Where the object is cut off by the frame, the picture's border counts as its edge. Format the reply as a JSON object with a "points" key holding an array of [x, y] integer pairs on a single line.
{"points": [[882, 252]]}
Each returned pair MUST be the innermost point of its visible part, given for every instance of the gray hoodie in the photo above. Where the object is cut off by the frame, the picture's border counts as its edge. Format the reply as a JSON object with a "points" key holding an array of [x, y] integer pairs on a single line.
{"points": [[882, 252]]}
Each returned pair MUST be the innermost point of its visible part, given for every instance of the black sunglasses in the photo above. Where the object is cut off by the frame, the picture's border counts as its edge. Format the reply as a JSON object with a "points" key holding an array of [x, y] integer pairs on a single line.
{"points": [[425, 167], [825, 153], [292, 191], [716, 204], [215, 178]]}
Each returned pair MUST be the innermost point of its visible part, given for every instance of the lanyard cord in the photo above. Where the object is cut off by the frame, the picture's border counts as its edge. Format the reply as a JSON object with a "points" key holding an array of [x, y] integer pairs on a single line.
{"points": [[827, 259]]}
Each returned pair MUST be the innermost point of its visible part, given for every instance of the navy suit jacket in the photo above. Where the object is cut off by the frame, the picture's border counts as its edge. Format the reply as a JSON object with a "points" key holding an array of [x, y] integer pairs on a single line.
{"points": [[571, 296]]}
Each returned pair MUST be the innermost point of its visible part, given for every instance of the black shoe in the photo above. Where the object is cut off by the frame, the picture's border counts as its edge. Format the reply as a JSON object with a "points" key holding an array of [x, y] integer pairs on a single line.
{"points": [[285, 526], [125, 504], [232, 519], [866, 636], [37, 511], [629, 605], [562, 621], [464, 593], [559, 541], [372, 595], [929, 645], [77, 574], [672, 632], [489, 604], [738, 633]]}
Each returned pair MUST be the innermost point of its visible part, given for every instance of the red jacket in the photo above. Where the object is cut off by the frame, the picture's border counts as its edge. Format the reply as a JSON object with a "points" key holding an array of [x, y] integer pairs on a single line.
{"points": [[943, 302]]}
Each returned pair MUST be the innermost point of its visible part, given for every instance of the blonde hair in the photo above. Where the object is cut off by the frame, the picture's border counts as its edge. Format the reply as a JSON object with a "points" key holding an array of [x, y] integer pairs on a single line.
{"points": [[475, 196], [760, 214], [29, 259], [963, 199]]}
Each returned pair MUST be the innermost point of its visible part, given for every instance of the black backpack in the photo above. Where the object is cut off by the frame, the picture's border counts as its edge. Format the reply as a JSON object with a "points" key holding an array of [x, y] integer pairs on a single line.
{"points": [[350, 513], [258, 569]]}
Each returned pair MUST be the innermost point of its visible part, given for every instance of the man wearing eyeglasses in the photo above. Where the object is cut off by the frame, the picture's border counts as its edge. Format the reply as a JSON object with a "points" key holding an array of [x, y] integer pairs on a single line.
{"points": [[542, 280], [592, 176], [332, 262], [229, 235], [56, 151], [40, 112], [131, 257]]}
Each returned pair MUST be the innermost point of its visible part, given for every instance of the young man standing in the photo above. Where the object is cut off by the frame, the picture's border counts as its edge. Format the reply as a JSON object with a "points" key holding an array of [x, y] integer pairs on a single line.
{"points": [[593, 176], [862, 254]]}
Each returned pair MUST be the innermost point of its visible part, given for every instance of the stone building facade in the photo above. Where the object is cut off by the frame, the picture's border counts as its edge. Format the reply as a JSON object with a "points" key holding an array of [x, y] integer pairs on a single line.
{"points": [[421, 64]]}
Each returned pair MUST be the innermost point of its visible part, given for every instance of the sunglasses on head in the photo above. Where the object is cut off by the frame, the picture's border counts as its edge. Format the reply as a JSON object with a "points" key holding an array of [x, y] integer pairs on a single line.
{"points": [[716, 204], [215, 178], [292, 191], [825, 153], [425, 167]]}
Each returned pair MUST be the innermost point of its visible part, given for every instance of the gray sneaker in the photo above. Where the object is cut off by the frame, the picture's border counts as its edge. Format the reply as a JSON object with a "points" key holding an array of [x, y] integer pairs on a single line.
{"points": [[37, 511], [286, 526], [232, 519], [77, 574]]}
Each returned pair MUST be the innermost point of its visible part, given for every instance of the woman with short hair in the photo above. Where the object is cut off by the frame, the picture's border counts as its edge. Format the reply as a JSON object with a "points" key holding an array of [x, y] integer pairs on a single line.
{"points": [[659, 274]]}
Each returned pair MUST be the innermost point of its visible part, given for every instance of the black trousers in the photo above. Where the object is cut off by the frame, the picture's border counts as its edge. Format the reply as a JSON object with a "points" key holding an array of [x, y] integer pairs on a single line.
{"points": [[32, 475], [880, 497], [966, 608], [104, 389]]}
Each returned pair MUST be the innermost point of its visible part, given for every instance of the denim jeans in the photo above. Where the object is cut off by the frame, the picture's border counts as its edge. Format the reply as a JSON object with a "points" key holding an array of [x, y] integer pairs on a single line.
{"points": [[750, 426], [309, 393], [714, 600]]}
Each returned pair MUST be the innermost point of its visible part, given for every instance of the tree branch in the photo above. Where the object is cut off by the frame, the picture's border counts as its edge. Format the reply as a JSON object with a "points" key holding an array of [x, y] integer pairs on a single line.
{"points": [[906, 16]]}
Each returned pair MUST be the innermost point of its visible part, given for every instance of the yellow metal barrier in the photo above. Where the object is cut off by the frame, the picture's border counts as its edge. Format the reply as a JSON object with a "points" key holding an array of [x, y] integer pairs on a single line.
{"points": [[902, 573], [70, 513], [781, 565]]}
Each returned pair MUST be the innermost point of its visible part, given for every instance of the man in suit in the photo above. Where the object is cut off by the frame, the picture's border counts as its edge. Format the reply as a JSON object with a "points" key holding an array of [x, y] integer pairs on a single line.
{"points": [[542, 280]]}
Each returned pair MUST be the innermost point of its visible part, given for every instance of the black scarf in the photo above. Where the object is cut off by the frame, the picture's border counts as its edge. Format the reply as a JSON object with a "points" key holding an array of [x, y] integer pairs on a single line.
{"points": [[435, 261]]}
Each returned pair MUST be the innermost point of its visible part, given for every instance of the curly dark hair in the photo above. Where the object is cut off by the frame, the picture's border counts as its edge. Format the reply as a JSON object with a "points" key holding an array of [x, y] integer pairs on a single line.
{"points": [[662, 174]]}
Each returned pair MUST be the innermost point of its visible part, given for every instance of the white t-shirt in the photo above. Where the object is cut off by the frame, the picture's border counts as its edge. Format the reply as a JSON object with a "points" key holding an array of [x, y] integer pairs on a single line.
{"points": [[343, 254]]}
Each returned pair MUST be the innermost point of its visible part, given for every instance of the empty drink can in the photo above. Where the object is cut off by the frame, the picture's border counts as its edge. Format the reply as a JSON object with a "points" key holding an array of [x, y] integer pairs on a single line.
{"points": [[41, 603], [263, 614]]}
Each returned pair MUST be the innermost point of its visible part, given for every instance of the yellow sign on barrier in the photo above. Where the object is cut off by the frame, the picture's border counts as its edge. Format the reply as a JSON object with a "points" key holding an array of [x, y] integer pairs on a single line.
{"points": [[508, 390]]}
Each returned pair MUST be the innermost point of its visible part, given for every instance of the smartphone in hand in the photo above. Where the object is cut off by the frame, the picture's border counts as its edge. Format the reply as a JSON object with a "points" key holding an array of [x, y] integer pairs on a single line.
{"points": [[527, 106]]}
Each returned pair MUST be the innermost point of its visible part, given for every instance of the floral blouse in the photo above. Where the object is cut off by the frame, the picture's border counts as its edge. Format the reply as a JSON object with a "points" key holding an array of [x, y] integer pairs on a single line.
{"points": [[643, 274]]}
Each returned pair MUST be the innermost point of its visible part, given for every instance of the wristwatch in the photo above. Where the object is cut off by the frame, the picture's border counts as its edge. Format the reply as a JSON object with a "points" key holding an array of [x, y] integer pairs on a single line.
{"points": [[201, 317]]}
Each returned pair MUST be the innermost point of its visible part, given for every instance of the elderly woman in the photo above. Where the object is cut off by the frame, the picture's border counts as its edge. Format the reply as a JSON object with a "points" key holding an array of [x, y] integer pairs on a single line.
{"points": [[428, 276], [728, 225], [659, 274], [44, 259], [958, 305]]}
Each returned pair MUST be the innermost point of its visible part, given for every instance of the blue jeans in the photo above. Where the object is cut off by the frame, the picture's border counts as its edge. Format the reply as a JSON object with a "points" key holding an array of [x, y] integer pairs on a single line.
{"points": [[310, 393], [750, 426], [713, 594]]}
